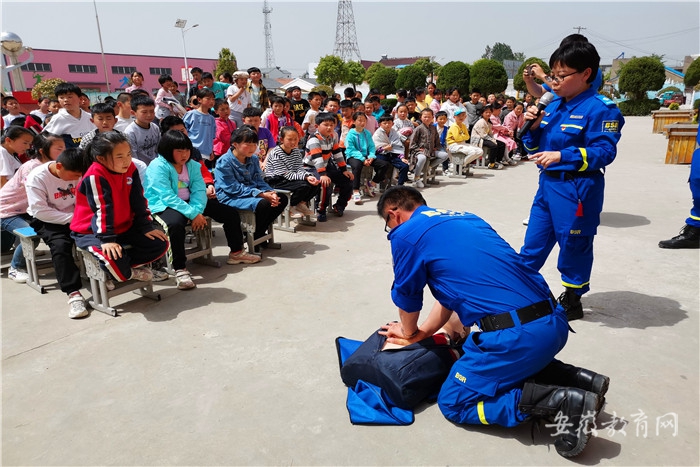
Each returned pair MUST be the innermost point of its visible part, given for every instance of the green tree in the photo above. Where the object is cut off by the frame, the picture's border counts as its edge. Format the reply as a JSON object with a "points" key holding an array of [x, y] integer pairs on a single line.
{"points": [[488, 76], [500, 52], [226, 64], [46, 88], [429, 67], [330, 70], [410, 77], [641, 74], [354, 73], [385, 80], [372, 70], [519, 82], [455, 74], [692, 74], [322, 87]]}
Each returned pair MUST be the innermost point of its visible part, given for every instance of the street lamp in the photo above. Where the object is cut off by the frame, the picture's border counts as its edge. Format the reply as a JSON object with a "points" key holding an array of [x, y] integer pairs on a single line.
{"points": [[181, 23]]}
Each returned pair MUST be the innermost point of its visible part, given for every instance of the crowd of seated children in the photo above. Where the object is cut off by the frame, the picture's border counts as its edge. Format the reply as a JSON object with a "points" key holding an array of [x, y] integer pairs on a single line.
{"points": [[388, 141], [360, 152], [240, 182], [425, 147], [324, 158], [51, 200], [13, 199], [284, 170], [482, 130]]}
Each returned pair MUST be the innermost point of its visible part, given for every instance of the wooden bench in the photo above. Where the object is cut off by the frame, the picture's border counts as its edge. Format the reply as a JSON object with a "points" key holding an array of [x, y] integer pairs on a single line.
{"points": [[682, 141], [98, 285], [200, 252], [663, 118]]}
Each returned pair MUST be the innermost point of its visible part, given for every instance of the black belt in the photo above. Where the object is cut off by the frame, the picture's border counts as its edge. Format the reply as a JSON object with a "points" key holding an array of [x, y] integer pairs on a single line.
{"points": [[525, 314], [570, 175]]}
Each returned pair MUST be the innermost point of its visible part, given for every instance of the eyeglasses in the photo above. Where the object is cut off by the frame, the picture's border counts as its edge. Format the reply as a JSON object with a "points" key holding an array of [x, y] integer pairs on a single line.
{"points": [[386, 224], [559, 79]]}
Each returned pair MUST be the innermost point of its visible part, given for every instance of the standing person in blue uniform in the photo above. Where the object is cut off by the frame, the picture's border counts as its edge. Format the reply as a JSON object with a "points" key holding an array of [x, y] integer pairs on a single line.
{"points": [[572, 141], [522, 327], [689, 237]]}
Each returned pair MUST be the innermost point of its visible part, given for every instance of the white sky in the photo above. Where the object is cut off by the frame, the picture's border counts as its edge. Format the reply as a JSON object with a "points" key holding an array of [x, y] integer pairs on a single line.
{"points": [[303, 32]]}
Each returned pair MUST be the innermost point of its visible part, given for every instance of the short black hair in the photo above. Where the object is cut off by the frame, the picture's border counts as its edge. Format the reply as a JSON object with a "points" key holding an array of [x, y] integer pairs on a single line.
{"points": [[73, 159], [142, 100], [578, 55], [326, 117], [170, 121], [103, 108], [346, 104], [205, 92], [219, 102], [196, 69], [440, 113], [349, 93], [67, 88], [253, 69], [252, 112], [385, 118], [244, 134], [399, 197], [164, 78], [207, 75], [13, 132], [276, 100], [171, 140]]}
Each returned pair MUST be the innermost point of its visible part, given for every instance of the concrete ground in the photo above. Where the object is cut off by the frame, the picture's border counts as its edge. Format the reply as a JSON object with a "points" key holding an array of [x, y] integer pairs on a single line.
{"points": [[243, 370]]}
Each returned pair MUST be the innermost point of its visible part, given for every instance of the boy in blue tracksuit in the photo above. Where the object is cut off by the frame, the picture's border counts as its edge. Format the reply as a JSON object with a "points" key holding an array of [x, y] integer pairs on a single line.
{"points": [[505, 373], [572, 141]]}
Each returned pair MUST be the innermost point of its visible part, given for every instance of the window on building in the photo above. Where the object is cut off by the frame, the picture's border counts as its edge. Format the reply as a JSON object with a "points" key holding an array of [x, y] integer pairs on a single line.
{"points": [[161, 71], [36, 67], [123, 70], [82, 68]]}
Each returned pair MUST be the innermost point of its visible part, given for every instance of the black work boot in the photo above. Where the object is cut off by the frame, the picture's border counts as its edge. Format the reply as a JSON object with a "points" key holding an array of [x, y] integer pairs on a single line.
{"points": [[562, 374], [572, 304], [571, 409], [689, 237]]}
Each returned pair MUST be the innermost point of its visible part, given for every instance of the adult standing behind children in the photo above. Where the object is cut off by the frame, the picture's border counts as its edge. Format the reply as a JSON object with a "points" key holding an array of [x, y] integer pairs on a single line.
{"points": [[238, 97], [572, 141], [71, 122]]}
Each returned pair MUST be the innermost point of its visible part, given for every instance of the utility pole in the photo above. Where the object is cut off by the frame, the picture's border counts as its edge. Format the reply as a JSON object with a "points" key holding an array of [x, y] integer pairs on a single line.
{"points": [[269, 51], [578, 28]]}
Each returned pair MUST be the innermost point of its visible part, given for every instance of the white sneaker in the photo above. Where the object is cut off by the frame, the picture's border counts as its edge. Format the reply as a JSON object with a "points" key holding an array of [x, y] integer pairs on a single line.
{"points": [[419, 184], [18, 276], [304, 209], [526, 221], [184, 280], [357, 198], [294, 213], [77, 307]]}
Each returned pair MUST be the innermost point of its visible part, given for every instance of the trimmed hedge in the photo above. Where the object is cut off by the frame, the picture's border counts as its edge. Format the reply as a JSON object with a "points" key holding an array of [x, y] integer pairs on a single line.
{"points": [[640, 107]]}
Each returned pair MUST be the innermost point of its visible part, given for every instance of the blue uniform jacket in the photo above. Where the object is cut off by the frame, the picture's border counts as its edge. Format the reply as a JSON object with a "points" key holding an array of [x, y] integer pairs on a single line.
{"points": [[239, 185], [585, 130], [449, 252], [162, 186]]}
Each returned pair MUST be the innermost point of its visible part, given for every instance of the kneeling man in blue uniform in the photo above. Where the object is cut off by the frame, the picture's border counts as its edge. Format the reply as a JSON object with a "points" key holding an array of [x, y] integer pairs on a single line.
{"points": [[508, 372]]}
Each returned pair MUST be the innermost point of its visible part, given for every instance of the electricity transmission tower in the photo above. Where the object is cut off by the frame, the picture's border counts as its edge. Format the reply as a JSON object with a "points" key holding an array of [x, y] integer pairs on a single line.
{"points": [[269, 51], [345, 35]]}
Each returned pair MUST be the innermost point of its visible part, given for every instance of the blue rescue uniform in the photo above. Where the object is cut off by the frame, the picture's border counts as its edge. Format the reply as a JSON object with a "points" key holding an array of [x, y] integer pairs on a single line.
{"points": [[694, 181], [481, 276], [566, 209]]}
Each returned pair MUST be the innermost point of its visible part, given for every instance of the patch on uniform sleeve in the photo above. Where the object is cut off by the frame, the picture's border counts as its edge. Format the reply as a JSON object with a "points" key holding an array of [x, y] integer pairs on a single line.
{"points": [[611, 126]]}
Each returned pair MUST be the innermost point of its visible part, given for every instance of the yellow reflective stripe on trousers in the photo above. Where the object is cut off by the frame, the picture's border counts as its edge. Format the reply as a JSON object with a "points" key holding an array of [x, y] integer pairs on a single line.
{"points": [[584, 155], [574, 286], [482, 415]]}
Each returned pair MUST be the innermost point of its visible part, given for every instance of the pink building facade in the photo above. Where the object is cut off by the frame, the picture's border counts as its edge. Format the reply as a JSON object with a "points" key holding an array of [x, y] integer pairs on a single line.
{"points": [[87, 70]]}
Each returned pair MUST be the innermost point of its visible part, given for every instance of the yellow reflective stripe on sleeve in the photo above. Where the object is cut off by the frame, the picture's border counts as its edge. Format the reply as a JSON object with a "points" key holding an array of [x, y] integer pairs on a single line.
{"points": [[574, 286], [694, 217], [584, 155], [482, 415]]}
